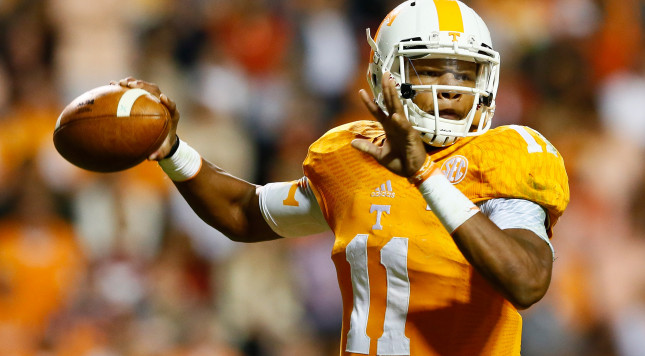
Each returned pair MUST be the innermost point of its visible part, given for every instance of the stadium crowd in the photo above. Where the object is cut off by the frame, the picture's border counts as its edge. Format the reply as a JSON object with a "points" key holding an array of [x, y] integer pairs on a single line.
{"points": [[117, 264]]}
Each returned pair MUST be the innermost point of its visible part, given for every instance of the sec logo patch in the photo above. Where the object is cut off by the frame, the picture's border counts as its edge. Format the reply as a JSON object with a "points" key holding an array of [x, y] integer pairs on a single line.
{"points": [[455, 169]]}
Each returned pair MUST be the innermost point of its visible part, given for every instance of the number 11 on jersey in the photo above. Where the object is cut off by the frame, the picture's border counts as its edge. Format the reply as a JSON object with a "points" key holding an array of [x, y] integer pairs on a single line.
{"points": [[394, 256]]}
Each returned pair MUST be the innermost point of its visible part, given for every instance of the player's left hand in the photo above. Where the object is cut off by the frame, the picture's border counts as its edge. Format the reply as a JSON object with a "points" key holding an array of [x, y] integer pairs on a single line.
{"points": [[403, 151]]}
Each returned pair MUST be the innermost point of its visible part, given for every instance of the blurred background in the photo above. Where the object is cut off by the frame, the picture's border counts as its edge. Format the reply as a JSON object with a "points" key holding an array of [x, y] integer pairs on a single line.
{"points": [[117, 264]]}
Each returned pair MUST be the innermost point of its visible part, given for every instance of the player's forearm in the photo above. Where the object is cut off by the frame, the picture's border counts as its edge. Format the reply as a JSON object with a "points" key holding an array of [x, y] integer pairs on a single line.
{"points": [[510, 260], [227, 203]]}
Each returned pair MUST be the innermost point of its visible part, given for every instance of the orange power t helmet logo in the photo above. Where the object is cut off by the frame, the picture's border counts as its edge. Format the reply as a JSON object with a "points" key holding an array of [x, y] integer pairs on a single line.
{"points": [[387, 21], [455, 36], [391, 16]]}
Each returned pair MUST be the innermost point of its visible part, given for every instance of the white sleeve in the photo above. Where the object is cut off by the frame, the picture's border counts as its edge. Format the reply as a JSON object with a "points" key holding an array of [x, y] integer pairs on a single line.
{"points": [[291, 208], [517, 214]]}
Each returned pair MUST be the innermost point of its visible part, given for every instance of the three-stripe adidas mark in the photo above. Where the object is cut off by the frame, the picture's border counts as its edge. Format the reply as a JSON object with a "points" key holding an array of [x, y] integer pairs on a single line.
{"points": [[385, 190]]}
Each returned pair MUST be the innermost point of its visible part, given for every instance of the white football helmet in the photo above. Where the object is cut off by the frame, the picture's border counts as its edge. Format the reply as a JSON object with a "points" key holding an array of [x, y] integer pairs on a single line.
{"points": [[427, 29]]}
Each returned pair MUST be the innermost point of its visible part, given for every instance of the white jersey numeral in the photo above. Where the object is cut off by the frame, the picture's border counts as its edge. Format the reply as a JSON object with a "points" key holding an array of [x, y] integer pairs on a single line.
{"points": [[394, 256], [357, 339], [531, 144]]}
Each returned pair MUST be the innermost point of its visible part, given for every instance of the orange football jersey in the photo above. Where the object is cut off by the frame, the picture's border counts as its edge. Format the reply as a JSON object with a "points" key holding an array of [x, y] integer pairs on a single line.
{"points": [[406, 287]]}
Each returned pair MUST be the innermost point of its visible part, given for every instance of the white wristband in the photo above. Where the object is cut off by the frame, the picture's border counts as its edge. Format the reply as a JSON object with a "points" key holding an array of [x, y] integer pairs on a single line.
{"points": [[449, 204], [183, 165]]}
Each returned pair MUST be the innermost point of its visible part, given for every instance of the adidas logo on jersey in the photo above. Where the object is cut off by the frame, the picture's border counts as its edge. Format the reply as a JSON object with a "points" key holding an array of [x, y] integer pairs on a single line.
{"points": [[385, 190]]}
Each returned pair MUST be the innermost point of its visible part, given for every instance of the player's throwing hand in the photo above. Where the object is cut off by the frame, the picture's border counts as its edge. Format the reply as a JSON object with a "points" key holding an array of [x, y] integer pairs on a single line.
{"points": [[152, 88]]}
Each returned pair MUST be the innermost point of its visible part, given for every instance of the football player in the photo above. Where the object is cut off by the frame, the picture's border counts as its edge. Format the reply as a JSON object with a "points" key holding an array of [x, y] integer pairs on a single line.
{"points": [[442, 225]]}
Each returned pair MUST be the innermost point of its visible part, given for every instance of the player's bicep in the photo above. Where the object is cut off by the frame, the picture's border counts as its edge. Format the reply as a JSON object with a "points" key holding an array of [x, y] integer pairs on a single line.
{"points": [[291, 208]]}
